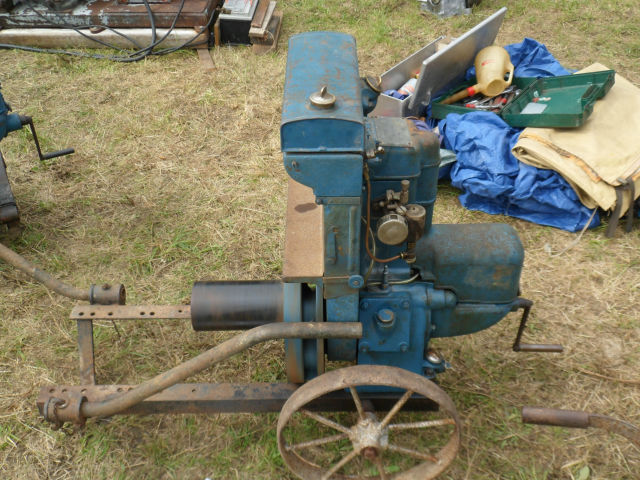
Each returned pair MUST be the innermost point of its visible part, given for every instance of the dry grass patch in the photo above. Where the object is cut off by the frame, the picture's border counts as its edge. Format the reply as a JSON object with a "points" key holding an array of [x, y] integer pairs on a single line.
{"points": [[178, 177]]}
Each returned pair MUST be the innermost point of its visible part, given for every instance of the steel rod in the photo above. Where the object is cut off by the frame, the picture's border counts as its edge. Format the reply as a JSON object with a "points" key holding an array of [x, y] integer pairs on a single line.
{"points": [[24, 265], [243, 341], [97, 294]]}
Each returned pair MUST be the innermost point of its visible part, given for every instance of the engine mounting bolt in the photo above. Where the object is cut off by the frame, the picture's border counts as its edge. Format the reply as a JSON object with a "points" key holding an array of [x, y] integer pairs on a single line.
{"points": [[364, 305], [386, 316], [434, 357], [406, 304], [355, 281], [364, 347], [404, 347]]}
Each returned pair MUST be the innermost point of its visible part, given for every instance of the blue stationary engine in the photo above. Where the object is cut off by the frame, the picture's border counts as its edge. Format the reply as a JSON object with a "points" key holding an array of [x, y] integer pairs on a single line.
{"points": [[384, 263]]}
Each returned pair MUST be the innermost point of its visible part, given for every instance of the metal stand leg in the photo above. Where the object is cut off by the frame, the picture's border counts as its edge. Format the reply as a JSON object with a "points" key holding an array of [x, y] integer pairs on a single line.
{"points": [[85, 350], [8, 208]]}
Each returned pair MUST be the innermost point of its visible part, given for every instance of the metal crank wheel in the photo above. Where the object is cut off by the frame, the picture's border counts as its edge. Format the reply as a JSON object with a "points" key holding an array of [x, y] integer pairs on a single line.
{"points": [[364, 444]]}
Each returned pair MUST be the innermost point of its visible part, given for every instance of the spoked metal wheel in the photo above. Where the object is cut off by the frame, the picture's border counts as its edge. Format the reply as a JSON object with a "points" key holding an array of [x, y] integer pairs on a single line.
{"points": [[365, 444]]}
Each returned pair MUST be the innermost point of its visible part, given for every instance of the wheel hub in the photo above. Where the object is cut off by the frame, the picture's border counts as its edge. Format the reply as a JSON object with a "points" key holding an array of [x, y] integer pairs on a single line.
{"points": [[369, 436]]}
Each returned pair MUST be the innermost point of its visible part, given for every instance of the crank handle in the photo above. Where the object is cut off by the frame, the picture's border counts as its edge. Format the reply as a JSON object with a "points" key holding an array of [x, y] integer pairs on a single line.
{"points": [[538, 347], [26, 120], [525, 305], [58, 153]]}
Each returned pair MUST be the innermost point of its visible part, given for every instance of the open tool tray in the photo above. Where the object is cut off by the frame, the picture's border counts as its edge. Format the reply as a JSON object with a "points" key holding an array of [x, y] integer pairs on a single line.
{"points": [[551, 102], [439, 65], [439, 110], [558, 102]]}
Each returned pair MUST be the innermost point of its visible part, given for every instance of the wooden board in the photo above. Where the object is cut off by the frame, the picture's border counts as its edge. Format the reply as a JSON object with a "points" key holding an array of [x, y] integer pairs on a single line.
{"points": [[205, 59], [272, 34], [304, 239]]}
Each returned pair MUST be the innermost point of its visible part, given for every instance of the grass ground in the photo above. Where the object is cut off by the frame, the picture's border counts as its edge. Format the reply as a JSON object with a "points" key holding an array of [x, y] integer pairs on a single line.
{"points": [[178, 177]]}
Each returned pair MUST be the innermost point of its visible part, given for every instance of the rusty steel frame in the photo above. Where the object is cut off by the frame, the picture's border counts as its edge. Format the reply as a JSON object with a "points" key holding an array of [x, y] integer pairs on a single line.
{"points": [[579, 419], [130, 312], [208, 398], [69, 404]]}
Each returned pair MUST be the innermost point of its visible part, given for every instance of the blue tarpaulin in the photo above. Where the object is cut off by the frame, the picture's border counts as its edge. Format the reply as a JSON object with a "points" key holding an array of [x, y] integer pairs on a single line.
{"points": [[491, 178], [494, 181]]}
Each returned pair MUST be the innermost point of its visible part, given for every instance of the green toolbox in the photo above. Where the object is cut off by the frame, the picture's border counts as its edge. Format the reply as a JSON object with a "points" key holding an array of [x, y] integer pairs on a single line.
{"points": [[551, 102]]}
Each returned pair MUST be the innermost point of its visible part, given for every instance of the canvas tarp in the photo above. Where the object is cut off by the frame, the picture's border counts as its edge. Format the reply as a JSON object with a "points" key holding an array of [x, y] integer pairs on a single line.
{"points": [[598, 156]]}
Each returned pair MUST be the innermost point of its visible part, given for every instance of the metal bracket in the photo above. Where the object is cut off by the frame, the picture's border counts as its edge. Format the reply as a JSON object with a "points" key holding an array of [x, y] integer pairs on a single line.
{"points": [[59, 410], [625, 184], [525, 305]]}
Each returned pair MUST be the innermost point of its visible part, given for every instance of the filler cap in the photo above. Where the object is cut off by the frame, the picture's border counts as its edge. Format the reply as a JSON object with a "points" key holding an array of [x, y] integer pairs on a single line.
{"points": [[322, 99]]}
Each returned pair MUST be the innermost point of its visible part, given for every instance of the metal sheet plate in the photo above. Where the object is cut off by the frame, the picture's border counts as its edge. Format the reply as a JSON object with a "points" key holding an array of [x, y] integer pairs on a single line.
{"points": [[303, 241], [451, 62]]}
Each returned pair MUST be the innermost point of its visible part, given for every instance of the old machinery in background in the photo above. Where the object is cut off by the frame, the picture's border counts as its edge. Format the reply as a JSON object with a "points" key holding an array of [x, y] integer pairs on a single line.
{"points": [[368, 279], [448, 8], [153, 27]]}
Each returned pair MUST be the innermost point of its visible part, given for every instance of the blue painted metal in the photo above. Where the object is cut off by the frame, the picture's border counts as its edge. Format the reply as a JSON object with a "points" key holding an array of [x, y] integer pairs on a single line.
{"points": [[302, 304], [314, 60], [9, 122], [479, 263], [318, 172], [342, 309], [465, 277]]}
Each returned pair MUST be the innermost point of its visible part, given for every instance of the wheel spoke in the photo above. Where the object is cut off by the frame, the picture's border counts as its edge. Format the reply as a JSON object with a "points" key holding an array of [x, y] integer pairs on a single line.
{"points": [[396, 408], [424, 424], [340, 464], [356, 400], [380, 467], [317, 441], [412, 453], [325, 421]]}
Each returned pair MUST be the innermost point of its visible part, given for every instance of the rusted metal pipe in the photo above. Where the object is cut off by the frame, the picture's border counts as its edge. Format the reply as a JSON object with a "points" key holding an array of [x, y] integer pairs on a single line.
{"points": [[243, 341], [100, 294], [578, 419]]}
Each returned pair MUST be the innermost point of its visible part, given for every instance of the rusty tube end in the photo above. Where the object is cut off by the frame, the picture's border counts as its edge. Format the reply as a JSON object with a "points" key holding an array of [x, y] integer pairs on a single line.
{"points": [[107, 294], [555, 417]]}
